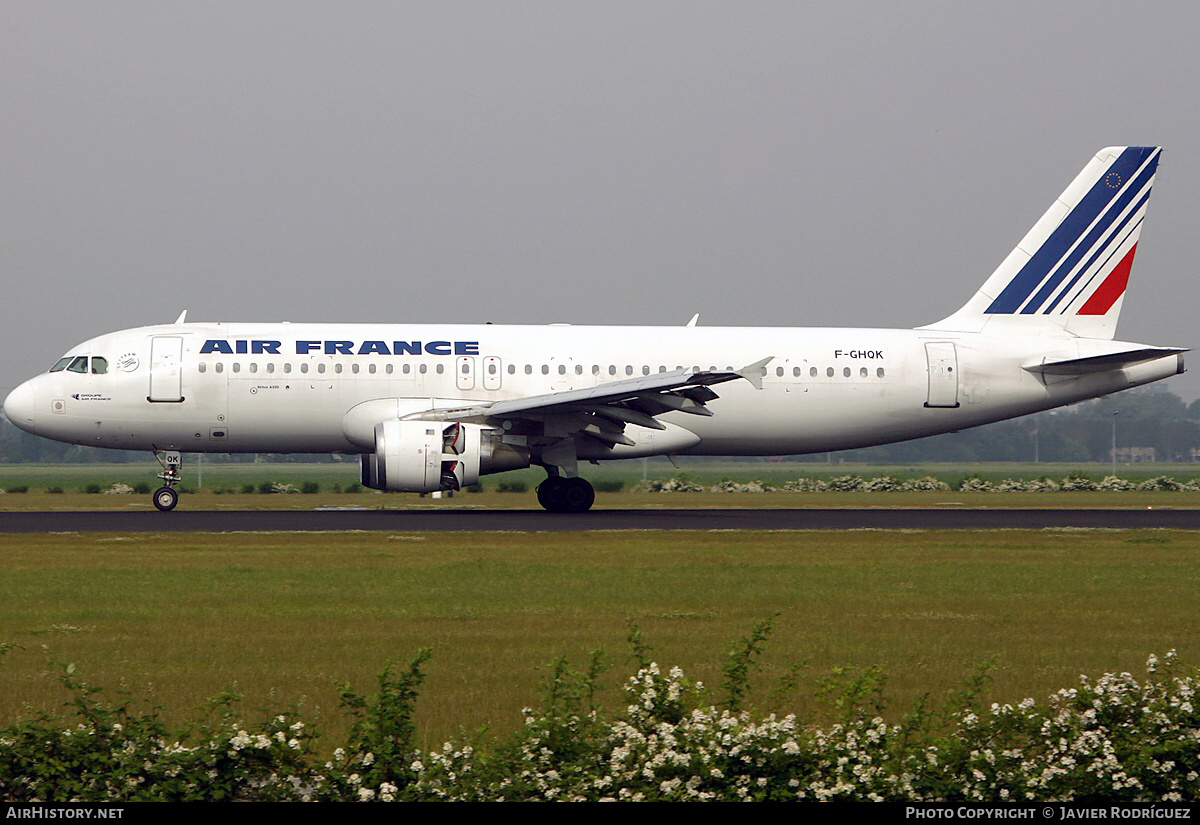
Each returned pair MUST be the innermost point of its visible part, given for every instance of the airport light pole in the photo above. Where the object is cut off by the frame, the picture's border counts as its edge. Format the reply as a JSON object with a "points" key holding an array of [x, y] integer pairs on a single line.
{"points": [[1114, 441]]}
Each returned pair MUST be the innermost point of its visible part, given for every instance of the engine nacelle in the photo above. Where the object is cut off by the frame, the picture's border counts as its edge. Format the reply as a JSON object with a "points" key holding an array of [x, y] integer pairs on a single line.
{"points": [[425, 456]]}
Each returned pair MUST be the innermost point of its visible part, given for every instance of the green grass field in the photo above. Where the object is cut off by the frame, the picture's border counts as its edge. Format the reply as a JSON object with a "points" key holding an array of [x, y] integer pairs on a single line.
{"points": [[281, 617]]}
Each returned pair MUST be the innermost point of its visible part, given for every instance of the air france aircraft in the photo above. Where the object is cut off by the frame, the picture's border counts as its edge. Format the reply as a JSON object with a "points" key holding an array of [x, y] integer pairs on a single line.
{"points": [[431, 407]]}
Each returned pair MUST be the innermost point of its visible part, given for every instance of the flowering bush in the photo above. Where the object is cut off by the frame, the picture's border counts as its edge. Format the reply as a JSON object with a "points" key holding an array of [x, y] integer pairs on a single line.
{"points": [[678, 484], [884, 484], [806, 485], [1167, 483], [1114, 738], [925, 484], [728, 486]]}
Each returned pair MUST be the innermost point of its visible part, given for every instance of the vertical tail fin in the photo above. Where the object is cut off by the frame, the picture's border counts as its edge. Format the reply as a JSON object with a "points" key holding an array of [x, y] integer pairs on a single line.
{"points": [[1068, 275]]}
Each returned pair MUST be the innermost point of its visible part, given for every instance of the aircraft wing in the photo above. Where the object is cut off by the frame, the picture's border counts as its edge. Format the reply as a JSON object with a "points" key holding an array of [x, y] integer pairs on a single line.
{"points": [[629, 401]]}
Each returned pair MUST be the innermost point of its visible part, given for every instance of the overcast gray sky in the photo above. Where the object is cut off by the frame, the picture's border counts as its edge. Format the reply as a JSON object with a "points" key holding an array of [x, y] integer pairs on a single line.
{"points": [[783, 164]]}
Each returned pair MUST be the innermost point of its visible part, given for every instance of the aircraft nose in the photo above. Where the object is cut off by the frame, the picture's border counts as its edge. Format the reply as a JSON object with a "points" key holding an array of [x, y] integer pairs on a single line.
{"points": [[21, 406]]}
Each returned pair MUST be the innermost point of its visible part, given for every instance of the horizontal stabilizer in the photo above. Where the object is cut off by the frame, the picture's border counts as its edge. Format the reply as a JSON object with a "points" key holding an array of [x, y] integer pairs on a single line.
{"points": [[1104, 363]]}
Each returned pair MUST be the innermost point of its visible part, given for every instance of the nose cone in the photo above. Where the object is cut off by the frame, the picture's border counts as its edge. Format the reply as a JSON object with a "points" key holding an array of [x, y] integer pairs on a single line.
{"points": [[23, 406]]}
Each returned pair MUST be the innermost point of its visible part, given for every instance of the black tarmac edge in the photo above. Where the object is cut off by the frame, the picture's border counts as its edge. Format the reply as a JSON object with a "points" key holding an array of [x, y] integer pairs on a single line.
{"points": [[534, 520]]}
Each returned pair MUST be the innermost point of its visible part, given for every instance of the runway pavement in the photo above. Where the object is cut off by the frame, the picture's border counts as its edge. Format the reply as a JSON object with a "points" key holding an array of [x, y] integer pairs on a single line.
{"points": [[536, 520]]}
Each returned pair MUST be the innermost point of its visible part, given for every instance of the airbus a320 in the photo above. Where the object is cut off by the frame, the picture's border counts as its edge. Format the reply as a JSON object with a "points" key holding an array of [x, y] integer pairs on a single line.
{"points": [[431, 407]]}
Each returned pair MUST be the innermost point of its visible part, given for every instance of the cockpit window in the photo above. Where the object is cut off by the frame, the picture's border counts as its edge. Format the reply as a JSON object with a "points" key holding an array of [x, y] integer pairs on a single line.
{"points": [[99, 365], [61, 365], [79, 364]]}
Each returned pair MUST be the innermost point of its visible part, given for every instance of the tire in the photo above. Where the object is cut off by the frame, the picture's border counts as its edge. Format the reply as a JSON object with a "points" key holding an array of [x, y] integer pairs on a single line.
{"points": [[566, 495], [549, 494], [577, 495], [165, 499]]}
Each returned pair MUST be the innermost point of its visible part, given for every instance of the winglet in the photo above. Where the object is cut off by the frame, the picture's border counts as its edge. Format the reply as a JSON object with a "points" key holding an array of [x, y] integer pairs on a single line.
{"points": [[695, 318], [754, 372], [182, 317]]}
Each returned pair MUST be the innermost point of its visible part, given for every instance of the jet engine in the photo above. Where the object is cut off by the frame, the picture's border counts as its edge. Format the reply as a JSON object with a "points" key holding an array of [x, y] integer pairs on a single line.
{"points": [[425, 456]]}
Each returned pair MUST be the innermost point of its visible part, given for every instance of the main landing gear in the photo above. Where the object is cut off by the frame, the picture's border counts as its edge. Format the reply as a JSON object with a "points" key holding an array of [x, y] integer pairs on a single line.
{"points": [[566, 495], [165, 498]]}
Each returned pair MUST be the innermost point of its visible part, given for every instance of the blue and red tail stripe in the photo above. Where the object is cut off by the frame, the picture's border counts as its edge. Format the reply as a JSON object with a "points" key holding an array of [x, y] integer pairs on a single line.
{"points": [[1096, 228]]}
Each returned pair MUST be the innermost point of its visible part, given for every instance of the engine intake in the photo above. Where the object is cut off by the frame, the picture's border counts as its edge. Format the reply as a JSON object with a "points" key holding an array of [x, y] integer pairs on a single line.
{"points": [[425, 456]]}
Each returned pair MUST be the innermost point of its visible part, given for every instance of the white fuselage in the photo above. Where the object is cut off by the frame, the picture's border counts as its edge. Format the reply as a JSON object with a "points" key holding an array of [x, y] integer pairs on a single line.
{"points": [[289, 387]]}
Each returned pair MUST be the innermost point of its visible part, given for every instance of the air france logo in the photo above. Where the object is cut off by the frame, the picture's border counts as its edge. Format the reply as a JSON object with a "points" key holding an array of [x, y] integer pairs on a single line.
{"points": [[242, 346]]}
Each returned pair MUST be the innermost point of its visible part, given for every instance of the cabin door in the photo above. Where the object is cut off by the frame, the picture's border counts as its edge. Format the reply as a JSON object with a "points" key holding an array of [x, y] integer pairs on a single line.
{"points": [[943, 375], [166, 368]]}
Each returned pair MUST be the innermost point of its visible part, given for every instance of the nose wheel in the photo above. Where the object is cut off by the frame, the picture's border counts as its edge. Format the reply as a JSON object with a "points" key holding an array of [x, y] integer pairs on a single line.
{"points": [[166, 497], [566, 495]]}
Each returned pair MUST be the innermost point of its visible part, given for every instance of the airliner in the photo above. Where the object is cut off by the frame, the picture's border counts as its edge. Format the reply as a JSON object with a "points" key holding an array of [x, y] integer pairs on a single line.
{"points": [[430, 407]]}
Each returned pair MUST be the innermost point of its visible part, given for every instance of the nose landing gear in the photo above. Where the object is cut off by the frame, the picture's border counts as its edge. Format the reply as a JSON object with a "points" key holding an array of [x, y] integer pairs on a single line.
{"points": [[165, 498]]}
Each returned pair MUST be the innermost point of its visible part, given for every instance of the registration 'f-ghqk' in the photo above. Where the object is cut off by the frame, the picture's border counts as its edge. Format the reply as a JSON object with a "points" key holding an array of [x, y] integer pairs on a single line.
{"points": [[432, 407]]}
